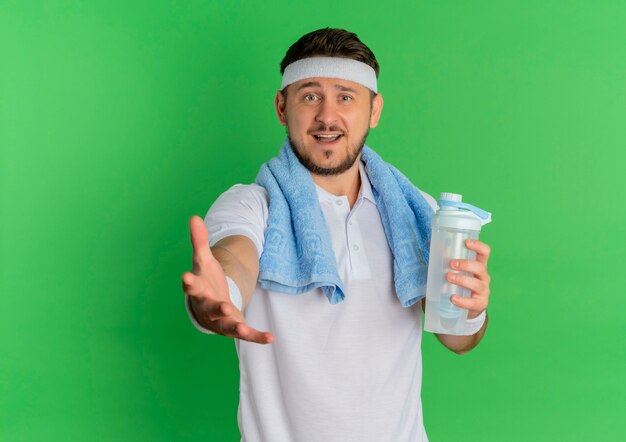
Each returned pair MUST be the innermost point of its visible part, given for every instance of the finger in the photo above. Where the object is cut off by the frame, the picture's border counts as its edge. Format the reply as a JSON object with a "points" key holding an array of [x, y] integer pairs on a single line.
{"points": [[477, 268], [199, 240], [482, 250], [474, 284], [193, 286], [240, 330], [474, 304], [247, 333]]}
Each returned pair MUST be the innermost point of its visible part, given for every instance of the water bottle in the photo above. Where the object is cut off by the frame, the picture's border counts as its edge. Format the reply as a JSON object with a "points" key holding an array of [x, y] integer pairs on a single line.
{"points": [[453, 224]]}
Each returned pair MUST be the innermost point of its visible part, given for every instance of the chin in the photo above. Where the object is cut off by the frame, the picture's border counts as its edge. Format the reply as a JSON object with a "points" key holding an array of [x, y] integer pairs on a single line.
{"points": [[326, 160]]}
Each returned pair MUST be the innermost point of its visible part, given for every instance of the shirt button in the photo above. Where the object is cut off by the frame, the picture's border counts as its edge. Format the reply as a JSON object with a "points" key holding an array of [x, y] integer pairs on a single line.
{"points": [[356, 248], [349, 223], [339, 202]]}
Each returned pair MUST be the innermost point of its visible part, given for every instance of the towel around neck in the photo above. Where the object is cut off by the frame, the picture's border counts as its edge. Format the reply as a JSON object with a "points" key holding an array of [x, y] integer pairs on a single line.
{"points": [[297, 254]]}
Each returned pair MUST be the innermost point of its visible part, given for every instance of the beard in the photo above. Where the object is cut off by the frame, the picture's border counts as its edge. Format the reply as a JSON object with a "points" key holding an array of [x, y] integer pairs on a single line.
{"points": [[346, 164]]}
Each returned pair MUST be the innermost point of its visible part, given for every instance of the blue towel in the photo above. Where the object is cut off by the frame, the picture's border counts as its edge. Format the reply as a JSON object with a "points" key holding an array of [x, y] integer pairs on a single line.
{"points": [[298, 256]]}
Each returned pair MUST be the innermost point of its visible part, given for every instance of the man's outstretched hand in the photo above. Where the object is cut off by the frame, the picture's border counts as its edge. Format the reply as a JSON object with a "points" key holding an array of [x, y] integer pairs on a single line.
{"points": [[210, 299]]}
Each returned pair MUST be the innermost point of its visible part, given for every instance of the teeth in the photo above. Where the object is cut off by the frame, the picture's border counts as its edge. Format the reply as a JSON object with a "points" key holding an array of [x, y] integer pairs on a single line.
{"points": [[327, 136]]}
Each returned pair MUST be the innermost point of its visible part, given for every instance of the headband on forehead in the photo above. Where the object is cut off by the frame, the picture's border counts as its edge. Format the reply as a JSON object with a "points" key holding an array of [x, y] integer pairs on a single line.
{"points": [[330, 67]]}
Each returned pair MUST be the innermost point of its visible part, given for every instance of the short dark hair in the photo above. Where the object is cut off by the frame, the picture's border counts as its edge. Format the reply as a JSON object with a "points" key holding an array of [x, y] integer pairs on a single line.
{"points": [[329, 42]]}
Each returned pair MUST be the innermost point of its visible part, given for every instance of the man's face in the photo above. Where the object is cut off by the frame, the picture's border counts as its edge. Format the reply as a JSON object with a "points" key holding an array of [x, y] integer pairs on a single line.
{"points": [[327, 122]]}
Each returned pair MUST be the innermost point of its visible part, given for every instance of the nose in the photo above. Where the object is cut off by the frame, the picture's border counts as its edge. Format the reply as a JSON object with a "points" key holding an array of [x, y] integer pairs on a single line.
{"points": [[327, 113]]}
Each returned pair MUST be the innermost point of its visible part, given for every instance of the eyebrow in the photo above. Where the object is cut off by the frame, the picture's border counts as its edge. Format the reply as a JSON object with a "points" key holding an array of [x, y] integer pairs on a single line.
{"points": [[309, 84], [345, 89], [317, 84]]}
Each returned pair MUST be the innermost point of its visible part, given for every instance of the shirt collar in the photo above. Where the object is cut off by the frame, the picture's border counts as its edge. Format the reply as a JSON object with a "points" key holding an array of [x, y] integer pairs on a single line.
{"points": [[364, 192], [366, 186]]}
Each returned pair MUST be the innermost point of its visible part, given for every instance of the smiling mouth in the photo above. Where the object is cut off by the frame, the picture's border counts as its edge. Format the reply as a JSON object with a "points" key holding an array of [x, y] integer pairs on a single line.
{"points": [[327, 138]]}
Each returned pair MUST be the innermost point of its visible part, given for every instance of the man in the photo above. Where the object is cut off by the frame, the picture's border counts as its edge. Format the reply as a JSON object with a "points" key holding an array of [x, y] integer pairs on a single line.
{"points": [[349, 369]]}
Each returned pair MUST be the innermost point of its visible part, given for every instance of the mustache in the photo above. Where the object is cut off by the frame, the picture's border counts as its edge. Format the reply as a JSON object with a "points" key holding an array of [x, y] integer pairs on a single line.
{"points": [[325, 128]]}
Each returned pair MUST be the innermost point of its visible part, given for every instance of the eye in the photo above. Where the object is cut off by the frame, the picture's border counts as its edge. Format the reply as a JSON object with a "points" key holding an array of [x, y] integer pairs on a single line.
{"points": [[346, 98], [310, 97]]}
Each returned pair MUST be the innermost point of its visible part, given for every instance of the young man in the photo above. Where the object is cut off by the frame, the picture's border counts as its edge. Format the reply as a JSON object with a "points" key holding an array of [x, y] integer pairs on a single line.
{"points": [[316, 261]]}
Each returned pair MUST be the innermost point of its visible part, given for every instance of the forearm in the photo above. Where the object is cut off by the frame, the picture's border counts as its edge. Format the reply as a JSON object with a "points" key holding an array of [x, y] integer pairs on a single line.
{"points": [[239, 259], [463, 344]]}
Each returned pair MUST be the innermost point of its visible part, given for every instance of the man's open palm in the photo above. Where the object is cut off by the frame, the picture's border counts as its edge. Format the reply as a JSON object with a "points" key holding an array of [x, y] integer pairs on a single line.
{"points": [[207, 286]]}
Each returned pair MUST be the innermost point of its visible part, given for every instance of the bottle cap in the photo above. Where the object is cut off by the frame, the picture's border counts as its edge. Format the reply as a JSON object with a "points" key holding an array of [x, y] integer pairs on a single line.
{"points": [[455, 200], [455, 197]]}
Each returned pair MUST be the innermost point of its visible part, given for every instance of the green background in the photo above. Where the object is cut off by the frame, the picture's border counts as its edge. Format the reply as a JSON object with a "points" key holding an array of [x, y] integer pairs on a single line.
{"points": [[119, 120]]}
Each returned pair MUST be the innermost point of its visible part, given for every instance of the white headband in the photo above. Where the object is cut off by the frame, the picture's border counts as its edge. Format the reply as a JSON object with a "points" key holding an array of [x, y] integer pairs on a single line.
{"points": [[330, 67]]}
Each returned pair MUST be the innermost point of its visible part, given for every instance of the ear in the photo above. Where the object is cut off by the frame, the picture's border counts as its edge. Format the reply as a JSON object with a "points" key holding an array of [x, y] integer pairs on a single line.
{"points": [[377, 108], [279, 104]]}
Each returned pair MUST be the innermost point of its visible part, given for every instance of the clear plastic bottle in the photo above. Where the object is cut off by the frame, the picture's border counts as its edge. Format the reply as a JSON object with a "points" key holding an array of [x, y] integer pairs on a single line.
{"points": [[453, 224]]}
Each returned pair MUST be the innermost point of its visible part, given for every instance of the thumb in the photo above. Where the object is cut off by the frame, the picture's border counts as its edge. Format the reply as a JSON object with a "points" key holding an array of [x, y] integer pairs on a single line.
{"points": [[199, 239]]}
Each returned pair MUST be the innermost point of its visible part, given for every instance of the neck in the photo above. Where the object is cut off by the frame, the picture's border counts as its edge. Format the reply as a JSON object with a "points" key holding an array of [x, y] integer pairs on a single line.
{"points": [[347, 183]]}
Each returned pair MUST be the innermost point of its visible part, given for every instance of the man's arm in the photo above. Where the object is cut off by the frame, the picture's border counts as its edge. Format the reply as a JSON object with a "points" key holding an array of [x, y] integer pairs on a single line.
{"points": [[239, 259], [463, 344], [235, 257], [477, 302]]}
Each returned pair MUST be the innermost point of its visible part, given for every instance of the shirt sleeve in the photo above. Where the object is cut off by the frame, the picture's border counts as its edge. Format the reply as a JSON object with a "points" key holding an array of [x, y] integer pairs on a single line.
{"points": [[241, 210]]}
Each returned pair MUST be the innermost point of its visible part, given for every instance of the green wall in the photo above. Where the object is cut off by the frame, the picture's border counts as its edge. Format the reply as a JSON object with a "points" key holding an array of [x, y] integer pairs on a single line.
{"points": [[119, 120]]}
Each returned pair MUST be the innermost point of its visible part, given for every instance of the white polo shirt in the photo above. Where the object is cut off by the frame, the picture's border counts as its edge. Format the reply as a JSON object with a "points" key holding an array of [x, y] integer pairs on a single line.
{"points": [[345, 372]]}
